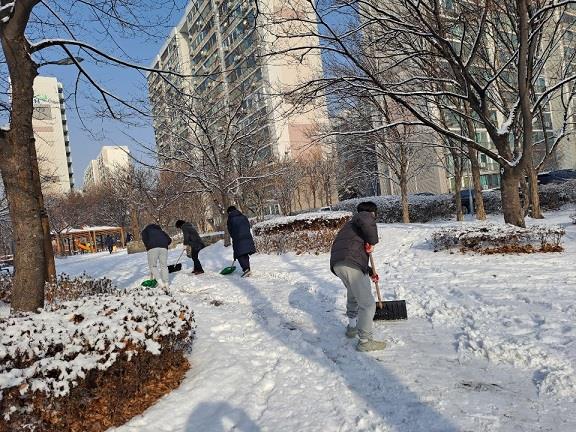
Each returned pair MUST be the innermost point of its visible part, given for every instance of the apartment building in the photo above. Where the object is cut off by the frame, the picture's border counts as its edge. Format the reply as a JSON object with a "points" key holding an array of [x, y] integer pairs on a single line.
{"points": [[560, 32], [51, 136], [218, 43], [111, 159]]}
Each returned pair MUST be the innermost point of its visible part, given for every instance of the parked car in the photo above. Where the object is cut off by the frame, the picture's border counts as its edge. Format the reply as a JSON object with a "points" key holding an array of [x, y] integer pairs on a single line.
{"points": [[558, 176]]}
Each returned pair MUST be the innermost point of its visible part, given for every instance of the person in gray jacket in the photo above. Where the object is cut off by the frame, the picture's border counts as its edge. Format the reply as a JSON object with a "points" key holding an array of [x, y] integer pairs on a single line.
{"points": [[349, 258], [193, 244]]}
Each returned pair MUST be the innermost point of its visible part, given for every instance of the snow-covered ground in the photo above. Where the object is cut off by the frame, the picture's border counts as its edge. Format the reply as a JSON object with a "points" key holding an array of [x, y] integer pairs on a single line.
{"points": [[490, 343]]}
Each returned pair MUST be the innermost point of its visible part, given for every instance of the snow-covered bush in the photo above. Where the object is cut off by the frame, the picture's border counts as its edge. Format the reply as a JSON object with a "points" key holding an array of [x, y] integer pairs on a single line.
{"points": [[83, 361], [64, 288], [303, 233], [499, 238], [553, 196], [492, 201], [422, 208]]}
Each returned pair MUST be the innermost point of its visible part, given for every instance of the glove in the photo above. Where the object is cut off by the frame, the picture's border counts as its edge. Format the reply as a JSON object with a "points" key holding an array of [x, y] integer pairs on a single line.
{"points": [[368, 248], [375, 278]]}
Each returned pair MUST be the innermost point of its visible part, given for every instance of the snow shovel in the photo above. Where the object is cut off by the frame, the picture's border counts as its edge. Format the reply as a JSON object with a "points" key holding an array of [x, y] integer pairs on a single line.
{"points": [[388, 310], [172, 268], [149, 283], [228, 270]]}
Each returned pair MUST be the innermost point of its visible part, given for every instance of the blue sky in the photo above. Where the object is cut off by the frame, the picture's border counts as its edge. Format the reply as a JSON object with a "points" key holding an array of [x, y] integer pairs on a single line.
{"points": [[127, 83], [86, 142]]}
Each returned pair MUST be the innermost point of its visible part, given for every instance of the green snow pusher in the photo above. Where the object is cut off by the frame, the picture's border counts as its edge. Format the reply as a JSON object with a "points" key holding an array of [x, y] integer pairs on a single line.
{"points": [[228, 270], [149, 283]]}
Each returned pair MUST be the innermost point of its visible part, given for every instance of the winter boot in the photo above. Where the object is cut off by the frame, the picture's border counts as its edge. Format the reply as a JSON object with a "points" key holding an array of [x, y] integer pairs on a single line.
{"points": [[351, 332], [246, 273], [365, 345]]}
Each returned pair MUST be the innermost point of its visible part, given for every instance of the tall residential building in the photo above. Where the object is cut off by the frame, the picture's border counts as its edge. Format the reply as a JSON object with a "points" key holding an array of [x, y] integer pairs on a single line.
{"points": [[549, 121], [110, 160], [218, 43], [51, 136]]}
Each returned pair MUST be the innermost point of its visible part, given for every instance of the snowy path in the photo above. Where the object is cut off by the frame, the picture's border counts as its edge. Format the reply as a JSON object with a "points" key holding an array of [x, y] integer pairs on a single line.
{"points": [[489, 346]]}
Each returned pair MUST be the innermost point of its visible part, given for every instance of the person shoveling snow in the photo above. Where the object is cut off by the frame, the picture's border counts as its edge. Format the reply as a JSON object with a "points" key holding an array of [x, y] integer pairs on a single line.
{"points": [[349, 261], [157, 242]]}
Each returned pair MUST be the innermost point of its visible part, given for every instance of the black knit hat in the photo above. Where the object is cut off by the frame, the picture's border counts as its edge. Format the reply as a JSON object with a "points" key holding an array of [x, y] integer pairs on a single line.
{"points": [[367, 206], [179, 223]]}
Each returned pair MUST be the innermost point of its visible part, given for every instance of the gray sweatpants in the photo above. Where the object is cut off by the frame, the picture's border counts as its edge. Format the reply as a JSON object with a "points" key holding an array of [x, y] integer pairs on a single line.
{"points": [[158, 264], [360, 302]]}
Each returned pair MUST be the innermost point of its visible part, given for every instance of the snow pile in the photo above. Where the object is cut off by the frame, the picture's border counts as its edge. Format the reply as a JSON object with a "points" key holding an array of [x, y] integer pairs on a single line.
{"points": [[480, 237], [311, 220], [553, 374], [423, 208], [53, 351]]}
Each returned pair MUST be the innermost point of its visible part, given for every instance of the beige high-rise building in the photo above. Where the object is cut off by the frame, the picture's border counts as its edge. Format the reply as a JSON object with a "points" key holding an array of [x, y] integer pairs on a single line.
{"points": [[218, 44], [51, 136], [111, 159]]}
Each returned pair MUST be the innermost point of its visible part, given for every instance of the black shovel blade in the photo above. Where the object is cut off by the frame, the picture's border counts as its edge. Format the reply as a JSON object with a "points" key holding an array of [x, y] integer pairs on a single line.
{"points": [[174, 268], [391, 310]]}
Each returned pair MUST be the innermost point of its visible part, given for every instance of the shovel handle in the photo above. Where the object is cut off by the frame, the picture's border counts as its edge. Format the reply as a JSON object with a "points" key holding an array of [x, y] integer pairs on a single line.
{"points": [[376, 283], [181, 253]]}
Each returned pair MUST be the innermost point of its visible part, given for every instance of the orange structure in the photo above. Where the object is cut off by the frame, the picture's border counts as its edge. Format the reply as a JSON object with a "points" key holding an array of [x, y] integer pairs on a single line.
{"points": [[88, 239]]}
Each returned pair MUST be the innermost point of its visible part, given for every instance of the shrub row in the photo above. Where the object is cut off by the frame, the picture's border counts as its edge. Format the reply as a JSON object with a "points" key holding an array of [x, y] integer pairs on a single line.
{"points": [[300, 242], [304, 233], [427, 208], [422, 208], [497, 238], [91, 363], [64, 288], [315, 221]]}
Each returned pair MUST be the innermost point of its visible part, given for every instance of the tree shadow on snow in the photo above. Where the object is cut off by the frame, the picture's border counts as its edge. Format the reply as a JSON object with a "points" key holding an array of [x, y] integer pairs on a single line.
{"points": [[398, 406], [219, 417]]}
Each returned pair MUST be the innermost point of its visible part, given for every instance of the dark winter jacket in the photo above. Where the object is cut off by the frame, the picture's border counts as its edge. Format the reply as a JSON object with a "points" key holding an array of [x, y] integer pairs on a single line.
{"points": [[154, 237], [348, 246], [109, 241], [191, 237], [239, 229]]}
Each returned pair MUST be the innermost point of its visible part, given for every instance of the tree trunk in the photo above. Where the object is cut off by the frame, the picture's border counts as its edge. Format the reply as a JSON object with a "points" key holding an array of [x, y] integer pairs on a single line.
{"points": [[404, 198], [533, 197], [16, 165], [478, 198], [50, 270], [225, 203], [134, 225], [458, 184], [475, 168], [524, 193], [526, 50], [511, 206]]}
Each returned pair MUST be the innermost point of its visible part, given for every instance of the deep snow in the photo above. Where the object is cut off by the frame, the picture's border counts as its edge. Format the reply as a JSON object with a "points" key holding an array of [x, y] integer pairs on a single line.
{"points": [[490, 343]]}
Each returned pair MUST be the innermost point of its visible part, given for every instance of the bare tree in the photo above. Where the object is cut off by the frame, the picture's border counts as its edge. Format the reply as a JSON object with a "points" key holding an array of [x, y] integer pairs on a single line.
{"points": [[65, 212], [32, 33], [487, 55], [221, 150], [402, 152]]}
